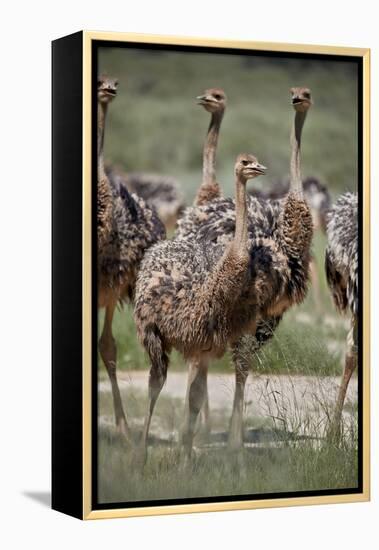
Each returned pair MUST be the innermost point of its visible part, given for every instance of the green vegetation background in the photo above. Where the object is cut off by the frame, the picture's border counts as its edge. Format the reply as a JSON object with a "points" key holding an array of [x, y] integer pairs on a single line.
{"points": [[156, 125]]}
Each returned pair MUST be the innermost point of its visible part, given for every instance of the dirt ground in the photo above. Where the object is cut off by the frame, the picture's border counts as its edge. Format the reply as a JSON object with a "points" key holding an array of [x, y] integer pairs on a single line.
{"points": [[298, 404]]}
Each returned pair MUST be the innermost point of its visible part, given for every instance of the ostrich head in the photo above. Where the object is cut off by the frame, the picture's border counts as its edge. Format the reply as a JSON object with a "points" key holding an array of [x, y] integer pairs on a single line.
{"points": [[213, 100], [301, 99], [247, 167], [106, 88]]}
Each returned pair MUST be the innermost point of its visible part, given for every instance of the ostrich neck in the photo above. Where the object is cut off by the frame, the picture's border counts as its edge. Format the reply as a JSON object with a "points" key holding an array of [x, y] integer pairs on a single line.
{"points": [[295, 172], [101, 116], [296, 226], [240, 236], [210, 146], [227, 280]]}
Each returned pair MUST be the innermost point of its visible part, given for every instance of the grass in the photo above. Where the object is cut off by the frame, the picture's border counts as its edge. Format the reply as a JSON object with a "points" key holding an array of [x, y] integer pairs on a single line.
{"points": [[281, 462], [251, 472]]}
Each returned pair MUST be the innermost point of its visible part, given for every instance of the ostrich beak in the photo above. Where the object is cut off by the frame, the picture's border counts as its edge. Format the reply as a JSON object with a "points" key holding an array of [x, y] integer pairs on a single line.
{"points": [[296, 100], [201, 99], [259, 168], [204, 99]]}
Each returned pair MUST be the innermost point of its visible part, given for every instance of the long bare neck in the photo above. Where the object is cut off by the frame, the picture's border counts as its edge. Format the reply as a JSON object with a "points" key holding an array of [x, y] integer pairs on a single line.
{"points": [[209, 188], [296, 225], [227, 280], [101, 116], [210, 147], [295, 171], [239, 245]]}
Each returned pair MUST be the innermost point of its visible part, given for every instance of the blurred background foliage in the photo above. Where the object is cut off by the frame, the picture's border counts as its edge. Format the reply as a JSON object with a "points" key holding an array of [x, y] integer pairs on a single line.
{"points": [[156, 125]]}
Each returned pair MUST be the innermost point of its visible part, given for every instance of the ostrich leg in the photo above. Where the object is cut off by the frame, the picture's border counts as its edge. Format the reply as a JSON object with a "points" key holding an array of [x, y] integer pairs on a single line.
{"points": [[243, 354], [196, 392], [205, 416], [350, 366], [241, 365], [203, 424], [108, 352], [157, 378]]}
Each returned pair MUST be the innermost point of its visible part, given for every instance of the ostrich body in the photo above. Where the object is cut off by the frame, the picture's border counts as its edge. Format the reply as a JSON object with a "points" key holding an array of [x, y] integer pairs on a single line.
{"points": [[341, 265], [319, 200], [315, 192], [158, 191], [280, 227], [126, 227], [214, 101], [198, 300]]}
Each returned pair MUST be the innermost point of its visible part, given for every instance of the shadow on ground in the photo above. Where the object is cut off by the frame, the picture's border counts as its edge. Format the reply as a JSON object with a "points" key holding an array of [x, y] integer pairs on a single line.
{"points": [[41, 497]]}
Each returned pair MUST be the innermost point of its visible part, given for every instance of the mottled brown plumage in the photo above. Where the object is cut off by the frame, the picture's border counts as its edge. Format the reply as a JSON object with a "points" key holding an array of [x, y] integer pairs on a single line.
{"points": [[126, 227], [199, 299], [315, 192], [341, 265], [319, 201], [160, 192]]}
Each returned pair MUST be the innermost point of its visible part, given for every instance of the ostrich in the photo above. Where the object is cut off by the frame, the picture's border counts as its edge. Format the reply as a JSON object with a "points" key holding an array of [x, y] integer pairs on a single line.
{"points": [[190, 298], [214, 101], [126, 227], [341, 266], [285, 226], [158, 191]]}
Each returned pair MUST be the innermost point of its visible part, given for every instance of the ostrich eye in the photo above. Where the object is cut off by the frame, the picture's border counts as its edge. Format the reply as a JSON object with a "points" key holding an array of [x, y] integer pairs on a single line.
{"points": [[245, 162], [116, 83], [99, 82], [307, 95], [217, 96]]}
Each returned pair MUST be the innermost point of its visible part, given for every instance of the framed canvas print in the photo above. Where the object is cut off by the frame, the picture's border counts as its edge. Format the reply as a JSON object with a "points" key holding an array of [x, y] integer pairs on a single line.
{"points": [[210, 275]]}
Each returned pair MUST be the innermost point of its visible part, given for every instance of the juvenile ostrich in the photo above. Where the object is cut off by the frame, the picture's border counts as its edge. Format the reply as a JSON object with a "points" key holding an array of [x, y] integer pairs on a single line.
{"points": [[341, 266], [191, 298], [158, 191], [283, 226], [214, 101], [126, 227]]}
